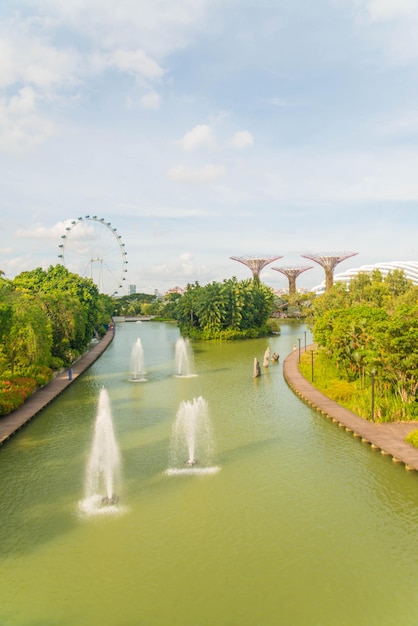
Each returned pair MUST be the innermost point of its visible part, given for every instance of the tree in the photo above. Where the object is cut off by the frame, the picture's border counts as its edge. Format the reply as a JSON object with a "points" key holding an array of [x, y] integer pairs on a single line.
{"points": [[29, 340], [398, 354], [73, 305], [232, 309], [57, 279], [373, 326], [67, 320]]}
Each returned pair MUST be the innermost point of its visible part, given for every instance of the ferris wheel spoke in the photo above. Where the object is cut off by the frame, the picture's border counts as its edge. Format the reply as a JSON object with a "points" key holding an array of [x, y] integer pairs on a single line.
{"points": [[92, 247]]}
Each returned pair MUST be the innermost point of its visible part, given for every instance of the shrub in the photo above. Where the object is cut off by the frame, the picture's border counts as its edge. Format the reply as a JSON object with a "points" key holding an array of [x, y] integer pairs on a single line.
{"points": [[412, 438], [40, 373], [273, 325], [14, 391], [56, 363]]}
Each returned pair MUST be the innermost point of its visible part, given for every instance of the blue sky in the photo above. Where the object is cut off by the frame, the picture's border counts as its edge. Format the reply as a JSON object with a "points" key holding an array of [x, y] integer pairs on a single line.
{"points": [[204, 129]]}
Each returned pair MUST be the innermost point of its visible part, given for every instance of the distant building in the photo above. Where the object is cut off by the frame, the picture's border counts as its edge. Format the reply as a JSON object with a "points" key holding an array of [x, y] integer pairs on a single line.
{"points": [[176, 289], [132, 289], [410, 269]]}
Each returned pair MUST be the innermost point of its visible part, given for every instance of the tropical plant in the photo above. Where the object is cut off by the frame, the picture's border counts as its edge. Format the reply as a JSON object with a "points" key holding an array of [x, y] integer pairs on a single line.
{"points": [[227, 310], [372, 327]]}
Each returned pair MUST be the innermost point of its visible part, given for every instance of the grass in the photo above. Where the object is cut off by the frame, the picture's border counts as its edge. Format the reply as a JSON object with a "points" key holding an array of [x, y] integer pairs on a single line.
{"points": [[355, 395]]}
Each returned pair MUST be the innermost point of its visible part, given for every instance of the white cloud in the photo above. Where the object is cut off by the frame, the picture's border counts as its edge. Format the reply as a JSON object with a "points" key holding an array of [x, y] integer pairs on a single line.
{"points": [[203, 135], [21, 128], [209, 173], [162, 26], [200, 135], [135, 62], [161, 212], [14, 266], [242, 139], [394, 25], [179, 271], [151, 100], [28, 60], [42, 232], [382, 10]]}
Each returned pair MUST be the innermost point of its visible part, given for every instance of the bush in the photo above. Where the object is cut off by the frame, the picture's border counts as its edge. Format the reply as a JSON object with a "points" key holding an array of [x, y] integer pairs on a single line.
{"points": [[56, 363], [354, 395], [14, 391], [412, 438], [273, 324], [40, 373]]}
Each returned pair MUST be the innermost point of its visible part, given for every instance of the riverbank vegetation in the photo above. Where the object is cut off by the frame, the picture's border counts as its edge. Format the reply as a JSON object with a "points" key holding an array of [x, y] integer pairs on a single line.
{"points": [[232, 309], [366, 334], [367, 346], [47, 319]]}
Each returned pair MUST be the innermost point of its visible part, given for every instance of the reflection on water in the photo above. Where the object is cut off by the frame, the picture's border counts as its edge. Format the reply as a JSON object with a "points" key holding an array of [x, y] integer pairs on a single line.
{"points": [[303, 525]]}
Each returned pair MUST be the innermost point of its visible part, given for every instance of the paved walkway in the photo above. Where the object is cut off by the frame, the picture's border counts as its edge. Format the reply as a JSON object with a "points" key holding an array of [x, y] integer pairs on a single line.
{"points": [[11, 423], [387, 438]]}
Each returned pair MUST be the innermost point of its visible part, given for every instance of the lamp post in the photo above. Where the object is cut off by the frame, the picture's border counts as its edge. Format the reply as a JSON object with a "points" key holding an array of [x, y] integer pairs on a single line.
{"points": [[299, 349], [312, 365], [372, 373], [305, 339]]}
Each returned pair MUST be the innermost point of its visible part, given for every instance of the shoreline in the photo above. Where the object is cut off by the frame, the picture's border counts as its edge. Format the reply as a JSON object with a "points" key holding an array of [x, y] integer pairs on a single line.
{"points": [[10, 424], [387, 438]]}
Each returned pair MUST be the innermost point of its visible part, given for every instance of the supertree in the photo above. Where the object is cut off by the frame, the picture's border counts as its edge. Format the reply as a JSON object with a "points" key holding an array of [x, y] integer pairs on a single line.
{"points": [[255, 263], [292, 273], [329, 260]]}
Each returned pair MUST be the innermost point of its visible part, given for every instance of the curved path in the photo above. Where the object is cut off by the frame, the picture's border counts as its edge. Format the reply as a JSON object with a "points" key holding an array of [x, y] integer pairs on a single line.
{"points": [[388, 437], [11, 423]]}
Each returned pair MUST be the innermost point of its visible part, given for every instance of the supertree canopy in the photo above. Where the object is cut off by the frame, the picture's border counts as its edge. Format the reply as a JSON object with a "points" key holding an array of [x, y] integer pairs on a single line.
{"points": [[255, 263], [329, 260], [292, 273]]}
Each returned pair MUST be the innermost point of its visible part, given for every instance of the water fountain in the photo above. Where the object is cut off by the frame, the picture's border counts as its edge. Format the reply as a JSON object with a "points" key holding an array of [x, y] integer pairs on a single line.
{"points": [[191, 448], [103, 466], [137, 362], [184, 358], [275, 523]]}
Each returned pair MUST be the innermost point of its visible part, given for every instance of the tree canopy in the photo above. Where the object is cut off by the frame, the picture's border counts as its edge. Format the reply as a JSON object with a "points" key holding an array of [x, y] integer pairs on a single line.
{"points": [[48, 317], [373, 327], [229, 310]]}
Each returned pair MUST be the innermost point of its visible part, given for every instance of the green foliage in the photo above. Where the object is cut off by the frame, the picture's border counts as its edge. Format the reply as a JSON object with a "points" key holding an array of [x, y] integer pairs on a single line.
{"points": [[58, 280], [73, 307], [47, 318], [229, 310], [371, 326], [132, 304], [29, 340], [273, 325], [14, 391], [40, 374], [412, 438]]}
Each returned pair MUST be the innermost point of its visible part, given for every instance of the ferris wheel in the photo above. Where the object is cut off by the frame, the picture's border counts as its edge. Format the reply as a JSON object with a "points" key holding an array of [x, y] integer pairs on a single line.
{"points": [[92, 248]]}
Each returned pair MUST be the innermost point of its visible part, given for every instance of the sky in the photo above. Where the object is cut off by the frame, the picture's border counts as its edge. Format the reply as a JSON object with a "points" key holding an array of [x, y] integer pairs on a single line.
{"points": [[205, 129]]}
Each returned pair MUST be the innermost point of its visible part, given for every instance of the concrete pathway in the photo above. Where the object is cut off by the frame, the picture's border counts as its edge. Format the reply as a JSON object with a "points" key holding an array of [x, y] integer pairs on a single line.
{"points": [[387, 438], [11, 423]]}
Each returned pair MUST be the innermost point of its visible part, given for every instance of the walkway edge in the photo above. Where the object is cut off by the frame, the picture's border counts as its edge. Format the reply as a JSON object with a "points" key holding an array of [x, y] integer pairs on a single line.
{"points": [[388, 438], [10, 424]]}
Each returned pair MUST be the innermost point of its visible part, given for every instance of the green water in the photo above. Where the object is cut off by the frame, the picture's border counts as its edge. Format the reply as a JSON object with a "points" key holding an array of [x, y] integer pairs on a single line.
{"points": [[303, 525]]}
